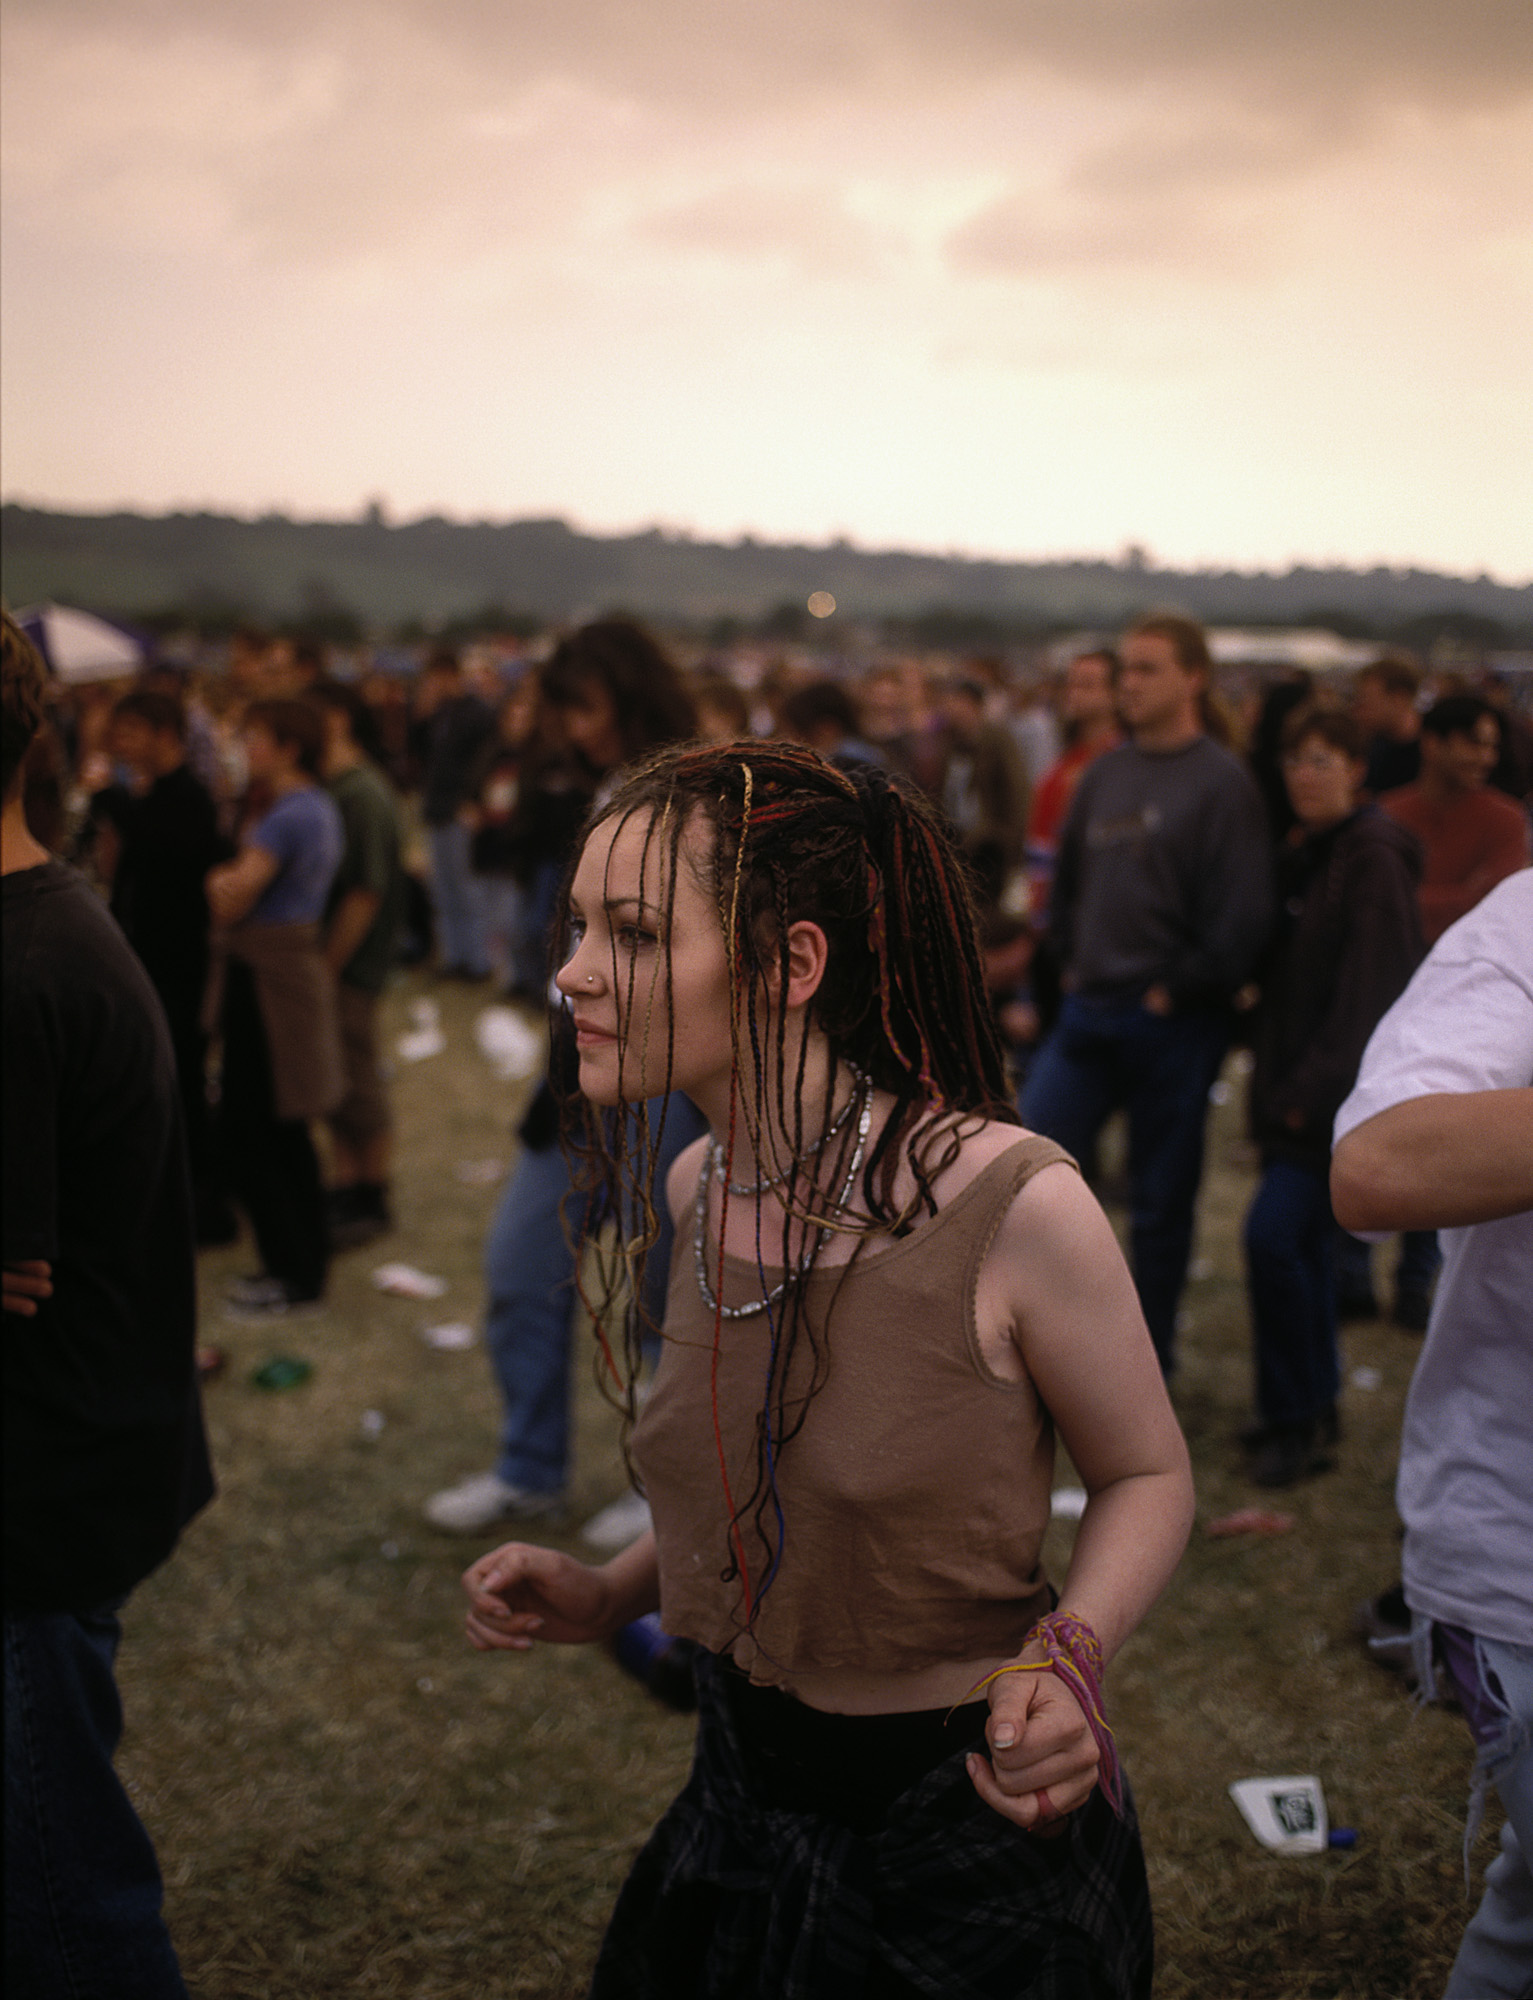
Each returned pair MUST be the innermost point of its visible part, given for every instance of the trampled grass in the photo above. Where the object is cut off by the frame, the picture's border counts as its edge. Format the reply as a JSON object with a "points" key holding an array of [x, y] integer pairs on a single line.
{"points": [[348, 1800]]}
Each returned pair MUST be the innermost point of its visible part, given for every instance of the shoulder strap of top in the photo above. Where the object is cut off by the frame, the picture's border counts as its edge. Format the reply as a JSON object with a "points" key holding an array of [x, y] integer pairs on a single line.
{"points": [[998, 1187]]}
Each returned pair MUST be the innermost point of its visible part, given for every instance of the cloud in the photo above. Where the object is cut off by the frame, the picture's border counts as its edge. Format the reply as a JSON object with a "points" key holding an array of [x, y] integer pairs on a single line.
{"points": [[807, 228]]}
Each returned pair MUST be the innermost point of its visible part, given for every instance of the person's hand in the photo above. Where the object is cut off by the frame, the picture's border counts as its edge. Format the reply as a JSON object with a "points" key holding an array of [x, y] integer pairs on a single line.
{"points": [[1043, 1758], [27, 1281], [223, 896], [518, 1594], [1157, 999]]}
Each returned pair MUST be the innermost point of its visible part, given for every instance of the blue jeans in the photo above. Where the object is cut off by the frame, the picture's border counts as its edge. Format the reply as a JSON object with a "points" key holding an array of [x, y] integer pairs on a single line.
{"points": [[1496, 1955], [530, 1273], [456, 895], [1289, 1234], [82, 1886], [1106, 1055]]}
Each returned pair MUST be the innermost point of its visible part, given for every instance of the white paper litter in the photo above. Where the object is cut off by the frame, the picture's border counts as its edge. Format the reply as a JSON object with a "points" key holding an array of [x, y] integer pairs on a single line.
{"points": [[372, 1423], [403, 1281], [450, 1335], [1367, 1378], [425, 1037], [1067, 1503], [480, 1173], [1286, 1814], [511, 1048]]}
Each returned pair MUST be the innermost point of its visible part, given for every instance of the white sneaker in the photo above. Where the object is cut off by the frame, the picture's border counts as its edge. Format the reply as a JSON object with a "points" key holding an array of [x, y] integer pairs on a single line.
{"points": [[618, 1525], [484, 1498]]}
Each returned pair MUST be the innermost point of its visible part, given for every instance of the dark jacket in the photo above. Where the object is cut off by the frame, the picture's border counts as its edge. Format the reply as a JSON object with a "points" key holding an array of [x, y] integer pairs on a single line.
{"points": [[1348, 939]]}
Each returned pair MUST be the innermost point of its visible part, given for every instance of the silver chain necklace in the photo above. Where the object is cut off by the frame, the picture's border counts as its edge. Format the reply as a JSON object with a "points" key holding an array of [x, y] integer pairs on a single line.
{"points": [[700, 1233], [860, 1082]]}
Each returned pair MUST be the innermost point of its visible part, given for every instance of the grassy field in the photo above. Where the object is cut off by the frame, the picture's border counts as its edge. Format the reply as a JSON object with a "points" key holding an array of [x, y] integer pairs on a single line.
{"points": [[348, 1800]]}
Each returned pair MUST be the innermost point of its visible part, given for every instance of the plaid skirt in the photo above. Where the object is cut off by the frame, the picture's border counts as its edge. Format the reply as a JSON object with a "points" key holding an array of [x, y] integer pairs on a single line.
{"points": [[941, 1899]]}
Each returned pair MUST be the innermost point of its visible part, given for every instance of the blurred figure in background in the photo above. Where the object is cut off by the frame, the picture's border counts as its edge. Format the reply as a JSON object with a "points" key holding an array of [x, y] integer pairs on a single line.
{"points": [[1473, 837], [823, 717], [1162, 900], [984, 790], [364, 914], [611, 693], [1348, 938], [455, 724], [282, 1061], [1384, 698], [1277, 705], [496, 852], [164, 838], [1089, 713], [723, 713]]}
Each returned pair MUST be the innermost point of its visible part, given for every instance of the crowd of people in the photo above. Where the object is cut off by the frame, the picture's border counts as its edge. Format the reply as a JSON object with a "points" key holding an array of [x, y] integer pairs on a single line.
{"points": [[847, 965]]}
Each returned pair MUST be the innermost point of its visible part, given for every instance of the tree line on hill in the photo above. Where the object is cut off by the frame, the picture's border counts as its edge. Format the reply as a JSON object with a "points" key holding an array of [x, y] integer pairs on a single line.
{"points": [[349, 578]]}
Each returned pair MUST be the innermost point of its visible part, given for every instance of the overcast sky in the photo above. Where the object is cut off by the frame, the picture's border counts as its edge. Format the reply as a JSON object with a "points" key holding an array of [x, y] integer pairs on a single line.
{"points": [[1241, 280]]}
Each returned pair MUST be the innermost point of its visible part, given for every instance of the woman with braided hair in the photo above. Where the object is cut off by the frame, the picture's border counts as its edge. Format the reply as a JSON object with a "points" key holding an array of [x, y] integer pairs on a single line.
{"points": [[884, 1300]]}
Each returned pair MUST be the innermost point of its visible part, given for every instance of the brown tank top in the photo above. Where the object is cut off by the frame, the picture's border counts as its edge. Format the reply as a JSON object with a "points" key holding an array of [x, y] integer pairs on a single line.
{"points": [[916, 1493]]}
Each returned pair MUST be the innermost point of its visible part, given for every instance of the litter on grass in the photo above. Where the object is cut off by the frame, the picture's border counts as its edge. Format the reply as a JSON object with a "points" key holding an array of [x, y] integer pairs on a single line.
{"points": [[480, 1173], [425, 1037], [403, 1281], [511, 1048], [1249, 1521], [1367, 1378], [283, 1371], [1285, 1814], [372, 1423], [450, 1335], [1067, 1503]]}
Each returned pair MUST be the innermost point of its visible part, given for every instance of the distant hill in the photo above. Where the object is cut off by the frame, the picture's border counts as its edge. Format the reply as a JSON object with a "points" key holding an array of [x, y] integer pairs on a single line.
{"points": [[432, 572]]}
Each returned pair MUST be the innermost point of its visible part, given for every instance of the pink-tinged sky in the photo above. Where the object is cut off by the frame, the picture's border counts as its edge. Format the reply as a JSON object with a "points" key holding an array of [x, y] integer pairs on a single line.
{"points": [[1242, 280]]}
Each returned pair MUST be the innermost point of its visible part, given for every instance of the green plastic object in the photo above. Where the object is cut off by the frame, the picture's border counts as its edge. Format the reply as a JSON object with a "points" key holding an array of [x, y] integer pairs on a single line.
{"points": [[283, 1371]]}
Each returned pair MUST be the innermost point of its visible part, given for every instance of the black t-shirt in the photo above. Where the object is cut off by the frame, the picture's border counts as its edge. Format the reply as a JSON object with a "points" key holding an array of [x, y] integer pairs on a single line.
{"points": [[170, 840], [105, 1455]]}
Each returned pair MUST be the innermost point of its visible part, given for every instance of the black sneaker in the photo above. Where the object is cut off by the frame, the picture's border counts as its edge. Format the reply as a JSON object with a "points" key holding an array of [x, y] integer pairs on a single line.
{"points": [[1327, 1431], [1288, 1455]]}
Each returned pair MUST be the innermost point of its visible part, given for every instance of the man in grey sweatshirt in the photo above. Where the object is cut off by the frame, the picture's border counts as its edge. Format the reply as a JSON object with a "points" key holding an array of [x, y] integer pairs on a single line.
{"points": [[1162, 900]]}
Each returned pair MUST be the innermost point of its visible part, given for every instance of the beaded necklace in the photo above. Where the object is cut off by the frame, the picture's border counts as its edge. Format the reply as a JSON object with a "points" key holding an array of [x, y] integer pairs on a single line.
{"points": [[860, 1081], [713, 1160]]}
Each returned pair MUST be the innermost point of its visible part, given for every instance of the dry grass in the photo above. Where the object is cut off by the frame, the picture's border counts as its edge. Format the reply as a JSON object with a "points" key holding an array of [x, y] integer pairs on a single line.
{"points": [[348, 1800]]}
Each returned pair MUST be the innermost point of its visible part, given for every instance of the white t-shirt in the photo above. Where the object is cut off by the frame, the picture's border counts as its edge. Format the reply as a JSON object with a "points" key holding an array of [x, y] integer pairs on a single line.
{"points": [[1465, 1490]]}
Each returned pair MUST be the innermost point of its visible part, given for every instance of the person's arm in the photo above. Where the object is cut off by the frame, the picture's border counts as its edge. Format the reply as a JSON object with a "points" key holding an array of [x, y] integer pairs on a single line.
{"points": [[520, 1594], [237, 886], [350, 922], [1437, 1162], [1083, 1339]]}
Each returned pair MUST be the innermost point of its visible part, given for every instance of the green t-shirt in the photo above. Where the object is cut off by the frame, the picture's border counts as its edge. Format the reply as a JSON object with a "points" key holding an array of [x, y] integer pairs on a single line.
{"points": [[370, 814]]}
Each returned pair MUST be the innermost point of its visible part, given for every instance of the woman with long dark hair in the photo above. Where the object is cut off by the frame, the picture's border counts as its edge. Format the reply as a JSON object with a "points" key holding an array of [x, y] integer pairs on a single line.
{"points": [[608, 694], [886, 1298]]}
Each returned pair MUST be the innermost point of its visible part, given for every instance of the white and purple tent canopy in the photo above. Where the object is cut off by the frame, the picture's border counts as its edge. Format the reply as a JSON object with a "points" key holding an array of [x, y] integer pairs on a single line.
{"points": [[79, 646]]}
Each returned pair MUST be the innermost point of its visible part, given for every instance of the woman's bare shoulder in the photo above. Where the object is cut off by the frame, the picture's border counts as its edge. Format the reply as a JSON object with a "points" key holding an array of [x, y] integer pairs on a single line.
{"points": [[979, 1144]]}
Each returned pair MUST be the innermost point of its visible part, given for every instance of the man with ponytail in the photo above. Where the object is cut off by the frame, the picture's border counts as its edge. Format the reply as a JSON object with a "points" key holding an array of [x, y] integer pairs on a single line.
{"points": [[1162, 900], [886, 1297]]}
